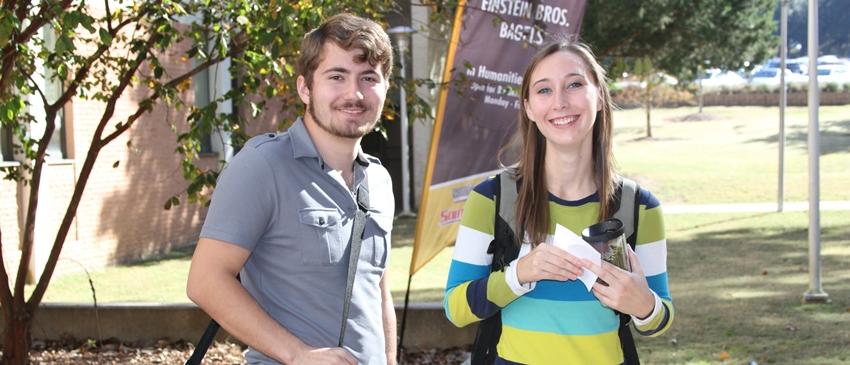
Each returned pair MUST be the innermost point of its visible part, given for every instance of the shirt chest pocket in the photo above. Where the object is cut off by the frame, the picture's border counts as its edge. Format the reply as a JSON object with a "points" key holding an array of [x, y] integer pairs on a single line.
{"points": [[323, 241], [376, 239]]}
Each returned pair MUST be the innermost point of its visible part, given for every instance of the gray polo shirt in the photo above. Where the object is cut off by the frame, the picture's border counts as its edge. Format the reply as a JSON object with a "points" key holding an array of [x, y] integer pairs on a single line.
{"points": [[277, 199]]}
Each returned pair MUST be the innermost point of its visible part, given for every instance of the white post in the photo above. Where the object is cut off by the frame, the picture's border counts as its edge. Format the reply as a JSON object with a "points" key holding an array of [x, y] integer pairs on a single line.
{"points": [[401, 34], [783, 100], [815, 294]]}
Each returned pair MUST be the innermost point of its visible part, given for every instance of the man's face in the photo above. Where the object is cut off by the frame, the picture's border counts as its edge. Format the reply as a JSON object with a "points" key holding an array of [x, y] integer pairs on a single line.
{"points": [[347, 96]]}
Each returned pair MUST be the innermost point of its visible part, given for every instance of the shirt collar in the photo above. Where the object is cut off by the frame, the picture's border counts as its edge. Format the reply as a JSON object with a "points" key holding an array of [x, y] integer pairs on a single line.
{"points": [[303, 146]]}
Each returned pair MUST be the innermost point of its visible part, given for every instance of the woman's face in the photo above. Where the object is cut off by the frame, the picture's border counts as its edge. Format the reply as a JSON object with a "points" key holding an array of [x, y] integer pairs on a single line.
{"points": [[562, 99]]}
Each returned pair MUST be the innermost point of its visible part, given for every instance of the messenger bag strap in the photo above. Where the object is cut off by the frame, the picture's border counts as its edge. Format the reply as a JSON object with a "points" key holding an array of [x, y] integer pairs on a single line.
{"points": [[354, 254]]}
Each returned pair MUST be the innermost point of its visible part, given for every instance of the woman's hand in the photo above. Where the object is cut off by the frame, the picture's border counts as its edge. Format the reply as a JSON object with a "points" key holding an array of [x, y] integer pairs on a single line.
{"points": [[547, 262], [626, 291]]}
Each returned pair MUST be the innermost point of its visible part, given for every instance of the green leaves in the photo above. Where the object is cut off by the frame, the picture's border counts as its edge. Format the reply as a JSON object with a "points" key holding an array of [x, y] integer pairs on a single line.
{"points": [[105, 37]]}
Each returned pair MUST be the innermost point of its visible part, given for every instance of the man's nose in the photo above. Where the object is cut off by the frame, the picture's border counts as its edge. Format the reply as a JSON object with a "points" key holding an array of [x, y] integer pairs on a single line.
{"points": [[353, 90]]}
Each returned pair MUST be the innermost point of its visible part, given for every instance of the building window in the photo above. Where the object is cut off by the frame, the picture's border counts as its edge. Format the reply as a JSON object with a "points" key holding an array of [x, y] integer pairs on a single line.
{"points": [[51, 86], [201, 81], [5, 143]]}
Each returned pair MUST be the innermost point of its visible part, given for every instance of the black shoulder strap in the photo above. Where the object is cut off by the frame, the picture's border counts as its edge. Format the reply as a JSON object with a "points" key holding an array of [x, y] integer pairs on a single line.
{"points": [[626, 208], [354, 254], [504, 250]]}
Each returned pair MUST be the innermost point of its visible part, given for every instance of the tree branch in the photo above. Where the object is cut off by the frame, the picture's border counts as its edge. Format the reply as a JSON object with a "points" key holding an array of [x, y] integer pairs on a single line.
{"points": [[85, 172], [174, 82], [40, 93], [5, 292], [108, 16], [83, 72]]}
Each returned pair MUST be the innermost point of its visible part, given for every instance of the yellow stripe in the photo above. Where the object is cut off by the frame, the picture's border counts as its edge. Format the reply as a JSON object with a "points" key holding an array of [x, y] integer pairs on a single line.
{"points": [[415, 263], [527, 347], [458, 308]]}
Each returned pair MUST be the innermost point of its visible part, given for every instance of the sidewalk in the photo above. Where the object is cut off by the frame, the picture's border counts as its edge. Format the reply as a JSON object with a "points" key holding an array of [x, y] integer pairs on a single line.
{"points": [[752, 207]]}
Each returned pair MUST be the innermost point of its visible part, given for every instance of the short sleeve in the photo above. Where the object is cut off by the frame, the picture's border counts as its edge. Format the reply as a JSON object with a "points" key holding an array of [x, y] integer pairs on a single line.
{"points": [[244, 201]]}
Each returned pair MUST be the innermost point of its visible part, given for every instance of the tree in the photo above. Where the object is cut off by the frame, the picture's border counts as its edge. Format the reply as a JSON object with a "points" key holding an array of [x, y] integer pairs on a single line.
{"points": [[680, 35], [102, 54], [677, 37]]}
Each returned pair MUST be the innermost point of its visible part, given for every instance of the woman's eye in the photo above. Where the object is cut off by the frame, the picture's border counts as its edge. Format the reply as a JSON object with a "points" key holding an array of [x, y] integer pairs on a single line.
{"points": [[544, 90], [575, 85]]}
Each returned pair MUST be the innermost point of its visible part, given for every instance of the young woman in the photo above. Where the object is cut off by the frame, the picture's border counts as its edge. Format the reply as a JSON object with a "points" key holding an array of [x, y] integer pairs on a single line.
{"points": [[566, 177]]}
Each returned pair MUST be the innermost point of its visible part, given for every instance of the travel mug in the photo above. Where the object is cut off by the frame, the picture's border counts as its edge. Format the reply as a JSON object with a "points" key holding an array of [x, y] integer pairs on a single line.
{"points": [[608, 239]]}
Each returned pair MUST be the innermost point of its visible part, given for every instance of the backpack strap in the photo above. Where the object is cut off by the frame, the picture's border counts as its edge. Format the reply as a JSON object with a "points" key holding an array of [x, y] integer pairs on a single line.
{"points": [[627, 207], [504, 249]]}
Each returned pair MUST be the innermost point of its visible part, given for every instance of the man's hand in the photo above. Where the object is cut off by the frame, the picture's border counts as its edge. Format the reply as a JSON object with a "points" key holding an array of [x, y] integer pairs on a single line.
{"points": [[327, 355], [547, 262]]}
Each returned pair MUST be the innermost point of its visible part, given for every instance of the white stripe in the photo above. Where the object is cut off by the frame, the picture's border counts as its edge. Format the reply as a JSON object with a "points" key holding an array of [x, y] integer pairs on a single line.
{"points": [[471, 246], [653, 257]]}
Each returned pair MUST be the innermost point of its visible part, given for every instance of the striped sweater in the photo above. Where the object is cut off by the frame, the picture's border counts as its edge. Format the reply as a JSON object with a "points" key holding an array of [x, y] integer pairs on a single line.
{"points": [[555, 322]]}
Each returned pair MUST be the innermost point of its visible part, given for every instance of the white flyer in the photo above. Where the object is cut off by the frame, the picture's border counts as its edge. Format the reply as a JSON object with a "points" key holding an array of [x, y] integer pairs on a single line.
{"points": [[576, 246]]}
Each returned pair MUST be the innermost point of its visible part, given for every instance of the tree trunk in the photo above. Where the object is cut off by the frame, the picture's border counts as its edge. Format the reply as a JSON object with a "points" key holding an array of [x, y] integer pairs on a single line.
{"points": [[16, 341], [648, 104]]}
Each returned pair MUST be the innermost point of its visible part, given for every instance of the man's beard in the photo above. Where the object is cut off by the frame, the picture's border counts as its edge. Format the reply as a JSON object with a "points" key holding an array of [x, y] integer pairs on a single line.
{"points": [[338, 132]]}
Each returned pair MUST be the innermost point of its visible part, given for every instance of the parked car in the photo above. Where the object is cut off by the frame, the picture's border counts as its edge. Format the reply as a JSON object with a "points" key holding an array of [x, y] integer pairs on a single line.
{"points": [[718, 79], [769, 76], [796, 65], [833, 73]]}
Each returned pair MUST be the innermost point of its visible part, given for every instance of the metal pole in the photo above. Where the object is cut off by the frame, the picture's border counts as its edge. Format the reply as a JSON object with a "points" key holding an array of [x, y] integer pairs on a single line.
{"points": [[401, 34], [815, 294], [783, 100]]}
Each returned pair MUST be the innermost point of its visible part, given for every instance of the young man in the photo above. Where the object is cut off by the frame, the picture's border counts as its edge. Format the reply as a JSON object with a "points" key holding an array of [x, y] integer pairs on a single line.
{"points": [[283, 210]]}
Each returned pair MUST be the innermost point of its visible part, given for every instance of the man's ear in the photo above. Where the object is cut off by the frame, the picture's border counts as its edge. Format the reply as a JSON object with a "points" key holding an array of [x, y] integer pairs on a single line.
{"points": [[303, 89]]}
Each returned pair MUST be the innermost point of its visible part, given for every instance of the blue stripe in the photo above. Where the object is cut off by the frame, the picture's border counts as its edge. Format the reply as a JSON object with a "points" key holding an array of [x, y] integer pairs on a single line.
{"points": [[476, 297], [646, 198], [486, 188], [583, 318], [461, 272], [571, 290], [661, 325], [658, 284], [501, 361]]}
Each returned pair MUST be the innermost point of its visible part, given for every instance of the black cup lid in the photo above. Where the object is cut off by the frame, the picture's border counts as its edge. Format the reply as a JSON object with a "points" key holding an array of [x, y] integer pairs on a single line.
{"points": [[603, 231]]}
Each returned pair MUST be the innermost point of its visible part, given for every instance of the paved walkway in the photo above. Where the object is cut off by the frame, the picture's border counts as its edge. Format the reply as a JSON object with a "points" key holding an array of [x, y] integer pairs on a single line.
{"points": [[752, 207]]}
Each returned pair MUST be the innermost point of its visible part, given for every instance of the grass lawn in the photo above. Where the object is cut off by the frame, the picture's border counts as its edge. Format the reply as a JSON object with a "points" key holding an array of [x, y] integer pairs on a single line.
{"points": [[736, 279], [733, 158]]}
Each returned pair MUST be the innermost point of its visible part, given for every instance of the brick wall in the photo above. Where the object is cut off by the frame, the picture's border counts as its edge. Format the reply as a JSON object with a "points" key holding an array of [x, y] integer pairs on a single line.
{"points": [[772, 99], [120, 217]]}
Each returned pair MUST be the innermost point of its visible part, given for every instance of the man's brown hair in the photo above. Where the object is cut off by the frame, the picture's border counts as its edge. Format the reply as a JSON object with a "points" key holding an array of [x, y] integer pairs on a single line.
{"points": [[347, 31]]}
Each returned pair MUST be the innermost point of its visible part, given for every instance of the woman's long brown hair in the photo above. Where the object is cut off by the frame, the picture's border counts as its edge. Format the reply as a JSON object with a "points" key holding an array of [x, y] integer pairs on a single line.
{"points": [[532, 205]]}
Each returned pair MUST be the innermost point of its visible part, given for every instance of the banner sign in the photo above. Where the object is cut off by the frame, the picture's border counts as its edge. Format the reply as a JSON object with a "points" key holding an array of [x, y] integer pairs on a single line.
{"points": [[492, 41]]}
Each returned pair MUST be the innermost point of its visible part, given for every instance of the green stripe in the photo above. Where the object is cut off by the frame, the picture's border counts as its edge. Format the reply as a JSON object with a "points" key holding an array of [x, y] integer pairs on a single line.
{"points": [[484, 212], [573, 218], [651, 225], [498, 291]]}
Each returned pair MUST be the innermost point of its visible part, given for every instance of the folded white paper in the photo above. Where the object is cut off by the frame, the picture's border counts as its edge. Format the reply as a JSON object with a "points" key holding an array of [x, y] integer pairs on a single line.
{"points": [[576, 246]]}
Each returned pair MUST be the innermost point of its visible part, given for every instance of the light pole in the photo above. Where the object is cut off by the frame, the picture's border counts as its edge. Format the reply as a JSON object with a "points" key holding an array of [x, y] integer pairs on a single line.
{"points": [[783, 101], [401, 35], [815, 294]]}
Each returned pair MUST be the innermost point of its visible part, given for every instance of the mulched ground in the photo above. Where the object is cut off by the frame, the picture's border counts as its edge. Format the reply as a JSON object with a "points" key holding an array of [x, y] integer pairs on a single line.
{"points": [[70, 352]]}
